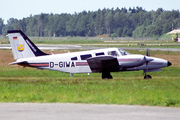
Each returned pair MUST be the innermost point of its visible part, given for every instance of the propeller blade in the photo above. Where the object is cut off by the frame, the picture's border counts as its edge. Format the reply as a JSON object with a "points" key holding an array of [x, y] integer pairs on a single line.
{"points": [[147, 52], [147, 59], [147, 66]]}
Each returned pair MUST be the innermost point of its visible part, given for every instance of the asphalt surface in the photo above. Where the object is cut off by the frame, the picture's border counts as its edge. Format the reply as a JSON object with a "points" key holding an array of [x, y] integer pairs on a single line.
{"points": [[66, 47], [52, 47], [60, 111]]}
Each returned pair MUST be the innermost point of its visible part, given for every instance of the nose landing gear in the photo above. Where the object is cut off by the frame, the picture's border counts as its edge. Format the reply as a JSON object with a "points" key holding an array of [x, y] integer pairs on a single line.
{"points": [[147, 76]]}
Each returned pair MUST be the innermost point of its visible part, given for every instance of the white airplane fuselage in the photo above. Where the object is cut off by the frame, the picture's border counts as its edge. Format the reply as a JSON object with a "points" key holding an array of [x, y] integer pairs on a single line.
{"points": [[64, 63]]}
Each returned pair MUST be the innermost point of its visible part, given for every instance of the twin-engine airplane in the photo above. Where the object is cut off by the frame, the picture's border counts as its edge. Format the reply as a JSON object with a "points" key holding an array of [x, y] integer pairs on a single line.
{"points": [[93, 61]]}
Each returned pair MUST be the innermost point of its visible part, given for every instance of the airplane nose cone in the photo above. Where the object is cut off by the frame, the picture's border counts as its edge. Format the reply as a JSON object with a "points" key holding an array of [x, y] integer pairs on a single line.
{"points": [[169, 64]]}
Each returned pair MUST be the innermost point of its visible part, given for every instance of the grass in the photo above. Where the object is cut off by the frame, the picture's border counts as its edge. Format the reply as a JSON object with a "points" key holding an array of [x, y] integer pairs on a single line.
{"points": [[18, 84], [125, 88]]}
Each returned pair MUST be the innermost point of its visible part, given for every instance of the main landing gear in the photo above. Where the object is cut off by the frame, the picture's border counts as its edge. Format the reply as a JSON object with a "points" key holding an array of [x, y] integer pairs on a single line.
{"points": [[106, 75]]}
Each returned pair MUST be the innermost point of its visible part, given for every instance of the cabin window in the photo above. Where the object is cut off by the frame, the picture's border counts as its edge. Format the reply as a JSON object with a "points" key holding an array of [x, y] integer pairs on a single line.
{"points": [[84, 57], [74, 58], [113, 53], [97, 54]]}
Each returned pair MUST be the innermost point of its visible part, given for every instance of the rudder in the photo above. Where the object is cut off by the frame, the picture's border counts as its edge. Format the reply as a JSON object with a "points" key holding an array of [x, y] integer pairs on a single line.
{"points": [[22, 46]]}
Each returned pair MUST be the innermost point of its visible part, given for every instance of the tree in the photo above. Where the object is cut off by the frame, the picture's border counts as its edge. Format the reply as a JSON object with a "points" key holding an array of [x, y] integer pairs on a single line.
{"points": [[109, 22], [1, 25], [113, 35], [135, 22], [175, 37], [139, 31]]}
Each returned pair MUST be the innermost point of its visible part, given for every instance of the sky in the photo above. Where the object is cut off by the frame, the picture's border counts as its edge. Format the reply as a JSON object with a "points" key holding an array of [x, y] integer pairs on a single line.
{"points": [[20, 9]]}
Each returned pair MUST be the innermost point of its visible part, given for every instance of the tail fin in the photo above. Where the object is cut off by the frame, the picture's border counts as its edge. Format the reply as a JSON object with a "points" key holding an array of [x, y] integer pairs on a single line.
{"points": [[22, 46]]}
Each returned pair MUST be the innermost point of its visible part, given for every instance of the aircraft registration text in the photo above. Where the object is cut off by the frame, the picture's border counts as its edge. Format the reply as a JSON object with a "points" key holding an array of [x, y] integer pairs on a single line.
{"points": [[62, 64]]}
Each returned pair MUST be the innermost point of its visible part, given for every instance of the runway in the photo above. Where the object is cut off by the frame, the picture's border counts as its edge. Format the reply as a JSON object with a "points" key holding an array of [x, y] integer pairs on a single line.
{"points": [[66, 47], [68, 111], [53, 47]]}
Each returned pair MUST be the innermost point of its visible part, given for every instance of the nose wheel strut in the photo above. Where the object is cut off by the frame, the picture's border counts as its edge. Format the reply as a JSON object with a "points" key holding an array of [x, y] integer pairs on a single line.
{"points": [[147, 76]]}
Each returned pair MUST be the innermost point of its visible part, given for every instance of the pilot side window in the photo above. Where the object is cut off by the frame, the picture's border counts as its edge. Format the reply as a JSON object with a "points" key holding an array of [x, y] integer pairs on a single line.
{"points": [[84, 57], [113, 53], [123, 52]]}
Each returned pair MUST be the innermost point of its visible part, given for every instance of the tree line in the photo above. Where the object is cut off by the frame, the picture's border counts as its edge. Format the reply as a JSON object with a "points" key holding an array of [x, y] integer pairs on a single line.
{"points": [[132, 22]]}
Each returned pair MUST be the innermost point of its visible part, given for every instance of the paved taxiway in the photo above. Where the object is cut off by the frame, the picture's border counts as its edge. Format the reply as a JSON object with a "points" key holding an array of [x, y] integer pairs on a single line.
{"points": [[60, 111], [66, 47], [52, 47]]}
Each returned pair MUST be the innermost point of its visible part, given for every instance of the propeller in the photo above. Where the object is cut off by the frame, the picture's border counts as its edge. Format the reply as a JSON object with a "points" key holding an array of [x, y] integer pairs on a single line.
{"points": [[147, 66], [148, 59], [147, 52]]}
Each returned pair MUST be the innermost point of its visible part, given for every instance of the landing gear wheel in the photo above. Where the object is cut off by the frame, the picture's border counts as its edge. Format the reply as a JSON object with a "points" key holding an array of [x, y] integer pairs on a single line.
{"points": [[147, 77], [106, 75]]}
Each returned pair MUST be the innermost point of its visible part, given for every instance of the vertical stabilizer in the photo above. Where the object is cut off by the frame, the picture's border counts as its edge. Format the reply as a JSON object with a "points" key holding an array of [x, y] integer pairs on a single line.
{"points": [[22, 46]]}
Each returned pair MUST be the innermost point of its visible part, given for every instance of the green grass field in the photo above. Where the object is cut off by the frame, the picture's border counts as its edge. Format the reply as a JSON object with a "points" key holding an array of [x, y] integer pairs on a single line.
{"points": [[31, 85], [18, 84]]}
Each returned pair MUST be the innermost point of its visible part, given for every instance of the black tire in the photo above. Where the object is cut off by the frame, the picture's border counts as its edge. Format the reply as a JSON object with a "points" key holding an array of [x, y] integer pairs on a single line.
{"points": [[147, 77]]}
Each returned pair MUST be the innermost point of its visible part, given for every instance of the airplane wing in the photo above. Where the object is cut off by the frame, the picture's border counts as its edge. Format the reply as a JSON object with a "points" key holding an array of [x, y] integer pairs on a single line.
{"points": [[100, 63]]}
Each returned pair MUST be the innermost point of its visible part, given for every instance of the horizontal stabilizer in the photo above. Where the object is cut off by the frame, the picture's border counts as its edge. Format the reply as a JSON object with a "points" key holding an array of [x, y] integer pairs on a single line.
{"points": [[21, 62]]}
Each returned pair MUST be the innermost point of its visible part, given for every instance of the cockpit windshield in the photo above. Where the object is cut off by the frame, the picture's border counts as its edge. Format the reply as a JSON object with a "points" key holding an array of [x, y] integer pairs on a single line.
{"points": [[123, 52]]}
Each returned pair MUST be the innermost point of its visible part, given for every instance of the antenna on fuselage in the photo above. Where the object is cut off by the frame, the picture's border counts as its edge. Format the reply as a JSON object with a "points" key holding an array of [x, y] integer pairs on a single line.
{"points": [[52, 52], [68, 51], [147, 52]]}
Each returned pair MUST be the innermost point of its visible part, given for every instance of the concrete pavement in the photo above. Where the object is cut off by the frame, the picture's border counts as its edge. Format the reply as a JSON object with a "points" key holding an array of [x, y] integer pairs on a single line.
{"points": [[68, 111]]}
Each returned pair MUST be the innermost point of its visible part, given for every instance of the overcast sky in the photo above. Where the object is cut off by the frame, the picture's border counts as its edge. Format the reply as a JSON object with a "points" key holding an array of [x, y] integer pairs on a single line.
{"points": [[24, 8]]}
